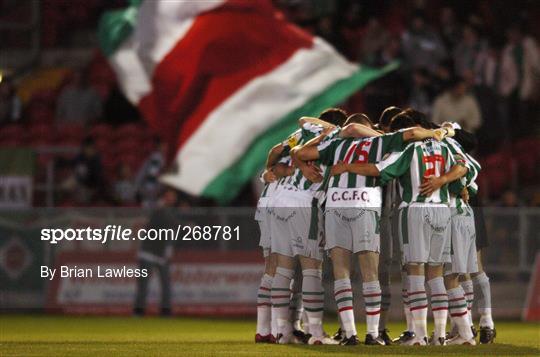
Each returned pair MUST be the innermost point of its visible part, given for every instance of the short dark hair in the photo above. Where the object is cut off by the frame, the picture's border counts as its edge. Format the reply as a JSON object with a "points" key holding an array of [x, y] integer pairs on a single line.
{"points": [[335, 116], [388, 114], [359, 118], [420, 118], [401, 121]]}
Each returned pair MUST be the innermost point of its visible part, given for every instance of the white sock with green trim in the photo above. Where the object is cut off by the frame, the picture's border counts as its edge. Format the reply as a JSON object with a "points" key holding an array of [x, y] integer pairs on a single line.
{"points": [[439, 305], [264, 306], [344, 301], [313, 299], [372, 301], [281, 299]]}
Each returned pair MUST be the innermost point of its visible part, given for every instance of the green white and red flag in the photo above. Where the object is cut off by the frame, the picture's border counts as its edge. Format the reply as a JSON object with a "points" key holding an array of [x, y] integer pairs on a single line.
{"points": [[222, 81]]}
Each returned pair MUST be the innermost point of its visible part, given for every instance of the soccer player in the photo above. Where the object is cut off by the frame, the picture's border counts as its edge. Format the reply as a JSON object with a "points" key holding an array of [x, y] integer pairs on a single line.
{"points": [[424, 220], [266, 326], [390, 201], [296, 232], [466, 230], [353, 207], [277, 168]]}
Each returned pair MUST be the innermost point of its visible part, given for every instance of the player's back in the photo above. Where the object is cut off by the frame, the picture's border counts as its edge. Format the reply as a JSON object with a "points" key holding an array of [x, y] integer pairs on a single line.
{"points": [[427, 158]]}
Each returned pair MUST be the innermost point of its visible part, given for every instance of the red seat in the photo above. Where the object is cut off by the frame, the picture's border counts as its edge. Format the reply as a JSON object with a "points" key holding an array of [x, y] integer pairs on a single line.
{"points": [[497, 170], [134, 131], [11, 142], [130, 147], [102, 131], [70, 133], [13, 131], [40, 130]]}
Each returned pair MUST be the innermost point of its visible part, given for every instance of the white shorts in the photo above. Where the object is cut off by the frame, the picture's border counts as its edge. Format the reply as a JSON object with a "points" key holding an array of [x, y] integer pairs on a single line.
{"points": [[296, 225], [264, 241], [463, 248], [354, 229], [425, 233]]}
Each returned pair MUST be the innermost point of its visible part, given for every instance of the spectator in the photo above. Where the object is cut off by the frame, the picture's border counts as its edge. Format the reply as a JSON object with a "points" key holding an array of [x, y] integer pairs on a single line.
{"points": [[450, 28], [520, 64], [125, 190], [147, 178], [374, 40], [487, 79], [156, 254], [86, 181], [421, 96], [422, 45], [78, 103], [456, 105], [520, 83], [10, 104], [467, 51]]}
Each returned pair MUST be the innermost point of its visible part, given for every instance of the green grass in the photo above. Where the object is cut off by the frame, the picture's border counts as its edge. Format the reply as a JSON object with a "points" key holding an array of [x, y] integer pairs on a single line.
{"points": [[113, 336]]}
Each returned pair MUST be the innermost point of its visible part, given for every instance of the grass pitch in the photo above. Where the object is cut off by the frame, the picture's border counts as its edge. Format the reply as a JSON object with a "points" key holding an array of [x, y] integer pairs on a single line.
{"points": [[114, 336]]}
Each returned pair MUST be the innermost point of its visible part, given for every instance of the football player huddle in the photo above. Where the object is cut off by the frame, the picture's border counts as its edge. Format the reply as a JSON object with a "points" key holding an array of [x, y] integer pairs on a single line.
{"points": [[357, 192]]}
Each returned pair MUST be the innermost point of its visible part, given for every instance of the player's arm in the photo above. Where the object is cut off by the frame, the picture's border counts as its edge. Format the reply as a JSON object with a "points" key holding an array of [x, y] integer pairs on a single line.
{"points": [[302, 157], [274, 154], [355, 130], [316, 121], [433, 183], [363, 169], [418, 134]]}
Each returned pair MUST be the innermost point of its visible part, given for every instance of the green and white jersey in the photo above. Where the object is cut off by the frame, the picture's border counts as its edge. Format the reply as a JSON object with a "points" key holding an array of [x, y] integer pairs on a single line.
{"points": [[419, 160], [350, 189], [297, 179], [357, 150], [272, 188], [469, 180]]}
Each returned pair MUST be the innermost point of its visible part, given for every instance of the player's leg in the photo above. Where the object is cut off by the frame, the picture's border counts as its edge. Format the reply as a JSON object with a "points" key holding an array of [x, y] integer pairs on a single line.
{"points": [[439, 302], [265, 331], [296, 309], [285, 263], [264, 304], [416, 246], [401, 226], [371, 290], [386, 297], [418, 304], [308, 245], [408, 334], [313, 297], [457, 305], [467, 285], [483, 288], [384, 274], [367, 244], [281, 297], [339, 243], [343, 293]]}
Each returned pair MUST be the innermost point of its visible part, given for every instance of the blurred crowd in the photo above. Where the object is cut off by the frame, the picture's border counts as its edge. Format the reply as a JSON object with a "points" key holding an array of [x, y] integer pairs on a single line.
{"points": [[473, 62]]}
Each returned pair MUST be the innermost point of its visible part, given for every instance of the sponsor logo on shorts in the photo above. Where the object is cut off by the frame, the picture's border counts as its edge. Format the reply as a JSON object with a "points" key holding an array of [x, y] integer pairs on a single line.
{"points": [[297, 243], [438, 229], [285, 219], [359, 213]]}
